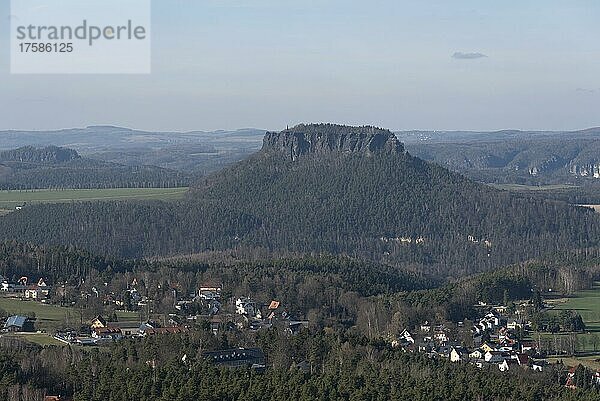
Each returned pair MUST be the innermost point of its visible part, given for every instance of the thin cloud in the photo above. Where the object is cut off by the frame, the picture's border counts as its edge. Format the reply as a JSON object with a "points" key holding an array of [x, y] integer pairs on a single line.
{"points": [[585, 90], [468, 56]]}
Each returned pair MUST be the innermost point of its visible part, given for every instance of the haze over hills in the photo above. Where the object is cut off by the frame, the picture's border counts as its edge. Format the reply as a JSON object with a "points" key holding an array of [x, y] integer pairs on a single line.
{"points": [[418, 136], [191, 152], [325, 188], [533, 158], [60, 168]]}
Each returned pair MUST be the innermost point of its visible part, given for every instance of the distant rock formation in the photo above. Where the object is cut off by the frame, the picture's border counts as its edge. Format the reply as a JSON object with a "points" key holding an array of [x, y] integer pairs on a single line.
{"points": [[329, 138]]}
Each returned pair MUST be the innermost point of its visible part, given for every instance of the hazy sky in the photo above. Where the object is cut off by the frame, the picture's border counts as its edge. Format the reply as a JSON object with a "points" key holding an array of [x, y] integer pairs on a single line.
{"points": [[422, 64]]}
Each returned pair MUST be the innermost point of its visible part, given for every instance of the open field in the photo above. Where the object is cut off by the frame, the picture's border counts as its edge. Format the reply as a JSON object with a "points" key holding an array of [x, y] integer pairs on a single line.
{"points": [[10, 199], [587, 304], [49, 317], [37, 338], [592, 362], [519, 187]]}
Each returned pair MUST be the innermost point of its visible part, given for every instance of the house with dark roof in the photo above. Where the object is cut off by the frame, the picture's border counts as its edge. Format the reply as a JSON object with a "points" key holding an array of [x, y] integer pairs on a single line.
{"points": [[18, 323], [127, 329], [236, 358]]}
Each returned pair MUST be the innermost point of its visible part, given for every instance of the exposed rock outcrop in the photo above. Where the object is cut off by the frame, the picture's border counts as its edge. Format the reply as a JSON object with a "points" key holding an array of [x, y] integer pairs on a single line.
{"points": [[329, 138]]}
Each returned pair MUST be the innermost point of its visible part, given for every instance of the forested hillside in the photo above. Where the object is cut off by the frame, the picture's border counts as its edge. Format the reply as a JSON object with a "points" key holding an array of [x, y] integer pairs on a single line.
{"points": [[324, 366], [58, 168], [326, 188]]}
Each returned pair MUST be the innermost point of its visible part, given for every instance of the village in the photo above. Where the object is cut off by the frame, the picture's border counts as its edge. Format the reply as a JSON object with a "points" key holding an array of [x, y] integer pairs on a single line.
{"points": [[498, 339], [205, 307]]}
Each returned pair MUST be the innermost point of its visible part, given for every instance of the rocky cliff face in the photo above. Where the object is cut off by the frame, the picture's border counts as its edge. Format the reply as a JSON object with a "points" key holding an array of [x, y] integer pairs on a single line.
{"points": [[329, 138]]}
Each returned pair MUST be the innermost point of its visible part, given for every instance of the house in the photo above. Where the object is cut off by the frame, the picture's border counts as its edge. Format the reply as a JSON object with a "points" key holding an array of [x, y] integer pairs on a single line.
{"points": [[210, 291], [110, 333], [503, 366], [215, 324], [494, 357], [127, 329], [98, 322], [295, 326], [35, 293], [245, 306], [458, 354], [12, 287], [406, 338], [236, 358], [477, 354], [486, 347], [18, 324], [440, 334], [538, 366], [426, 327]]}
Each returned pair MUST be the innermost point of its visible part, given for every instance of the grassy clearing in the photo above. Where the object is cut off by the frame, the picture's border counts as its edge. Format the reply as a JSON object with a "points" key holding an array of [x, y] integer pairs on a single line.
{"points": [[592, 362], [49, 317], [587, 304], [10, 199], [36, 338], [519, 187]]}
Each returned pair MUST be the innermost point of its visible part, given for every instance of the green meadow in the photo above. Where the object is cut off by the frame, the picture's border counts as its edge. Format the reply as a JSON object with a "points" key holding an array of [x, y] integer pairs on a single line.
{"points": [[49, 317], [11, 199], [587, 304]]}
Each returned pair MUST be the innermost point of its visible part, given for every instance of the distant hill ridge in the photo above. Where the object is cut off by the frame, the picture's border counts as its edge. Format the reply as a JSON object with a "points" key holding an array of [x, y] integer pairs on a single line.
{"points": [[53, 167], [31, 154], [330, 138]]}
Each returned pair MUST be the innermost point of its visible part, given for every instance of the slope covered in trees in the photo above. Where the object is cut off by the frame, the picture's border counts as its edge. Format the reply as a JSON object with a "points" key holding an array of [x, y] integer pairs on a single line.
{"points": [[326, 188], [338, 366]]}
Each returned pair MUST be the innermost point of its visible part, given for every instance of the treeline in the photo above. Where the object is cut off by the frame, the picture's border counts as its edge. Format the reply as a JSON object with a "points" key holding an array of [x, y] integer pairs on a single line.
{"points": [[335, 366], [57, 264]]}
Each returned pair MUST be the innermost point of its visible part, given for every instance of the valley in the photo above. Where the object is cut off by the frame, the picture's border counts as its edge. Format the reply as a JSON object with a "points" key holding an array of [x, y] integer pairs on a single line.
{"points": [[329, 241]]}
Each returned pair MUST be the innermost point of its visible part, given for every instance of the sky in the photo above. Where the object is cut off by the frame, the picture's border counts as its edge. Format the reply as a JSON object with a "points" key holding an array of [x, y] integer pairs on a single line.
{"points": [[402, 65]]}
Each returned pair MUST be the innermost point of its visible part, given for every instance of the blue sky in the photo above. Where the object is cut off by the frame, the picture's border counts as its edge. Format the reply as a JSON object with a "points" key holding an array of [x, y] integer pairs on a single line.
{"points": [[224, 64]]}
